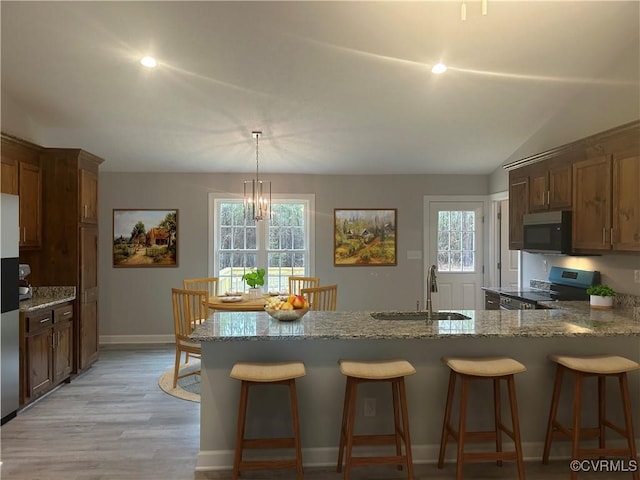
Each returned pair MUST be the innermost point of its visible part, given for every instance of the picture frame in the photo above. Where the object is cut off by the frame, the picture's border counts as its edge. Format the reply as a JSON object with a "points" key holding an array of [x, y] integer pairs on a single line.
{"points": [[365, 237], [145, 238]]}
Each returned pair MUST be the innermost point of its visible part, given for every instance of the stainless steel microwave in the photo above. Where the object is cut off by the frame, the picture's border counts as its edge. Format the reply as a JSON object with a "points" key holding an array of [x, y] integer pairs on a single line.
{"points": [[547, 232]]}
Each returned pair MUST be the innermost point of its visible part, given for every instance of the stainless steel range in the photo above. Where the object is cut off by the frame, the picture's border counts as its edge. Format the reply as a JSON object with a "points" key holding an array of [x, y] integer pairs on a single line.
{"points": [[565, 284]]}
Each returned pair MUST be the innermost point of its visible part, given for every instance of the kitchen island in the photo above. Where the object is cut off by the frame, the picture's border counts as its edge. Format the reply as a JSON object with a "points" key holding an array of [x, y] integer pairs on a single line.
{"points": [[321, 338]]}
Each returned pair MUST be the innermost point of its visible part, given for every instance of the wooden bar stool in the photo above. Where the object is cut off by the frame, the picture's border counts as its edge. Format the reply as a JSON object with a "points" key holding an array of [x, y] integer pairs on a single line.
{"points": [[358, 372], [482, 368], [600, 367], [252, 374]]}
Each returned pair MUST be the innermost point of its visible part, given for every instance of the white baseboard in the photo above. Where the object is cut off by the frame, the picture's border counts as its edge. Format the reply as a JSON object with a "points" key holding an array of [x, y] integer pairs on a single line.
{"points": [[210, 460], [323, 457], [124, 339]]}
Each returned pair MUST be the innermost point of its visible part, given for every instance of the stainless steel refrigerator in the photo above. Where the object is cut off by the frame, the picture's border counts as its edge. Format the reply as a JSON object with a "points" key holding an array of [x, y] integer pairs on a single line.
{"points": [[9, 317]]}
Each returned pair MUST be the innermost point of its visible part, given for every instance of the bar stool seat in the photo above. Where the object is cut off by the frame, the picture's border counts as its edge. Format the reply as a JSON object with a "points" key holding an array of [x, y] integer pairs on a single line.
{"points": [[251, 374], [600, 367], [358, 372], [482, 368]]}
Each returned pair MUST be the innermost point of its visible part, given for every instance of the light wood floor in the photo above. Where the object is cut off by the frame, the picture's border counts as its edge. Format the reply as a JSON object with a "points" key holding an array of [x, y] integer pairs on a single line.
{"points": [[114, 423]]}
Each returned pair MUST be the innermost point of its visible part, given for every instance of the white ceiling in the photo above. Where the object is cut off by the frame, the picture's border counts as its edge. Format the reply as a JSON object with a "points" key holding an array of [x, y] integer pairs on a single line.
{"points": [[336, 87]]}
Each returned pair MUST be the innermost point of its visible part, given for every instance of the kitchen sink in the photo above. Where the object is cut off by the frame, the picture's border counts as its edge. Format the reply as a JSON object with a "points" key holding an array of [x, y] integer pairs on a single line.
{"points": [[419, 315]]}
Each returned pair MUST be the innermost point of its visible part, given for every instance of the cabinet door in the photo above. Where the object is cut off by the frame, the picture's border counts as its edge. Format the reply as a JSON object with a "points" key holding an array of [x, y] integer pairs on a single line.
{"points": [[62, 342], [539, 192], [39, 357], [88, 321], [62, 350], [491, 300], [625, 235], [592, 204], [518, 206], [560, 188], [88, 334], [88, 196], [9, 176], [30, 191]]}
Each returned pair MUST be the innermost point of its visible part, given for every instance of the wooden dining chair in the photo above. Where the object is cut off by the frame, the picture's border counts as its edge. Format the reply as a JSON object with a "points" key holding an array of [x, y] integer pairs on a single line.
{"points": [[321, 298], [210, 284], [189, 307], [298, 283]]}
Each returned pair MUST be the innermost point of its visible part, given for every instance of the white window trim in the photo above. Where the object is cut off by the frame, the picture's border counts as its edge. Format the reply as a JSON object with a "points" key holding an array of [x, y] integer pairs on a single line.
{"points": [[213, 219]]}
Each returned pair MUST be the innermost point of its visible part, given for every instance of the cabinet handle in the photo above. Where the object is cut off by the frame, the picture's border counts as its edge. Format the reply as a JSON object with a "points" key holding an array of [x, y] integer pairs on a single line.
{"points": [[45, 320], [24, 234], [66, 314], [85, 210], [611, 237], [548, 197], [604, 235]]}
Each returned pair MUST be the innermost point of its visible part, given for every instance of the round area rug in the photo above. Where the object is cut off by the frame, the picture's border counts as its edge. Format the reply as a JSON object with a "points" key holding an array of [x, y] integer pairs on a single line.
{"points": [[188, 387]]}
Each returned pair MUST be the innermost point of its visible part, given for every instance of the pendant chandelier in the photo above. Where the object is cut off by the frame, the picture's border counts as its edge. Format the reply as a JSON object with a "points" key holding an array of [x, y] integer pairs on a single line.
{"points": [[257, 193]]}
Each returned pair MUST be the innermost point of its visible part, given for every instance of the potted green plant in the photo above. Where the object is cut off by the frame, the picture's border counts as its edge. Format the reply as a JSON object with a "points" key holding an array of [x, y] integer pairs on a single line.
{"points": [[255, 279], [601, 296]]}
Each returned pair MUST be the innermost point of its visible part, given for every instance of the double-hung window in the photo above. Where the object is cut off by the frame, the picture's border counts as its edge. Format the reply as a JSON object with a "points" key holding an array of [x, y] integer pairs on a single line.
{"points": [[281, 244]]}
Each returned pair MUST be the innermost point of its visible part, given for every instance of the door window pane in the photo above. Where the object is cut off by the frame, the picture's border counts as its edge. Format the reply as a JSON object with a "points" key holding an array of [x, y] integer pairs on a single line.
{"points": [[456, 241]]}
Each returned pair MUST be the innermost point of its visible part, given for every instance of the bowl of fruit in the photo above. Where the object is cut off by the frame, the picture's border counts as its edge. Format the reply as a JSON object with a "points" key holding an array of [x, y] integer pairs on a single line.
{"points": [[287, 309]]}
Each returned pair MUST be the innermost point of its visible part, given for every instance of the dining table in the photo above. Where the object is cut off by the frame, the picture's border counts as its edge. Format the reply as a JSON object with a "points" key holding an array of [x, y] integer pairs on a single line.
{"points": [[237, 303]]}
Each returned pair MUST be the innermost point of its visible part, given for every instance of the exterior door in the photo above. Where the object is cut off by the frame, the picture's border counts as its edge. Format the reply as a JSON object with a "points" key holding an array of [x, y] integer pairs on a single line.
{"points": [[454, 233]]}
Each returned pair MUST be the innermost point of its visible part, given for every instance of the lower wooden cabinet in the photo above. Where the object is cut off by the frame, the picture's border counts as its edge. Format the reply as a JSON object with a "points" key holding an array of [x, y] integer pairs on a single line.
{"points": [[46, 344]]}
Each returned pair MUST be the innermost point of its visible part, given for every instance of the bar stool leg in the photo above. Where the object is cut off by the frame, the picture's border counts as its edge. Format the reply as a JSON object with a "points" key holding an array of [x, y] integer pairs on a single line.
{"points": [[353, 389], [405, 427], [602, 410], [343, 426], [395, 393], [296, 427], [515, 425], [242, 414], [575, 433], [628, 423], [497, 410], [555, 400], [462, 426], [447, 418]]}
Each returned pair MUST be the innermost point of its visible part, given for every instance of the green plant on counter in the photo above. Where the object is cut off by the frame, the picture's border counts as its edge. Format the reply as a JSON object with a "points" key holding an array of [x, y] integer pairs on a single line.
{"points": [[254, 278], [601, 291]]}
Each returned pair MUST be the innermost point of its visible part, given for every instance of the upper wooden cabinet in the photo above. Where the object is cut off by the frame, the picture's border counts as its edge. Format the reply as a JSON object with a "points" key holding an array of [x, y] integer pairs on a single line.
{"points": [[21, 175], [9, 177], [596, 177], [592, 204], [550, 187], [606, 212], [518, 206], [626, 203], [88, 196], [30, 192]]}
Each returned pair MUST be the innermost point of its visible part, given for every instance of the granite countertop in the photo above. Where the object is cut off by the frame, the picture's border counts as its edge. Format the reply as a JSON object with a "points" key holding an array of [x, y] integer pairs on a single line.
{"points": [[565, 319], [44, 297]]}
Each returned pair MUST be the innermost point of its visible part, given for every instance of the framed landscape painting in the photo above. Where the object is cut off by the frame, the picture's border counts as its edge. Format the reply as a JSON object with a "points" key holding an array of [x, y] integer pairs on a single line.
{"points": [[364, 237], [145, 238]]}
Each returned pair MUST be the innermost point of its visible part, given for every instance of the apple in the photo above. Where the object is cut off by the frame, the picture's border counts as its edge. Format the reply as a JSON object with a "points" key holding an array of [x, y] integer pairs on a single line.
{"points": [[298, 301], [286, 306]]}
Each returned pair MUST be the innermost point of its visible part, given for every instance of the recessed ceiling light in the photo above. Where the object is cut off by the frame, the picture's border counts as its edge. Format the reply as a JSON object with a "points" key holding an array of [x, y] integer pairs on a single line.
{"points": [[439, 68], [148, 62]]}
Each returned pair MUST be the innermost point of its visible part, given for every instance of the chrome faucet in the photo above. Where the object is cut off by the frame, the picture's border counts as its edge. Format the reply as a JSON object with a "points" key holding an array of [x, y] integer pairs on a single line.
{"points": [[432, 286]]}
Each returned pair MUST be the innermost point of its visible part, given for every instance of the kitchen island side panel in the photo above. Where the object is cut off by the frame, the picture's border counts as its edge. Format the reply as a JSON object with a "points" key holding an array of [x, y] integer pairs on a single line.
{"points": [[320, 392]]}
